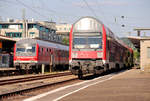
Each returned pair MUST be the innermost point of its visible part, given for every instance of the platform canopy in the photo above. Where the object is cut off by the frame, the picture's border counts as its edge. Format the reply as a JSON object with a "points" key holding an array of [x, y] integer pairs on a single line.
{"points": [[136, 29], [136, 40], [4, 38], [6, 44], [140, 29]]}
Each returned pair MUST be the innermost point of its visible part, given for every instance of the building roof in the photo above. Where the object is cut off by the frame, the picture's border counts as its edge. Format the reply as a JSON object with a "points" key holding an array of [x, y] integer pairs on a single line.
{"points": [[7, 38], [40, 23], [136, 29]]}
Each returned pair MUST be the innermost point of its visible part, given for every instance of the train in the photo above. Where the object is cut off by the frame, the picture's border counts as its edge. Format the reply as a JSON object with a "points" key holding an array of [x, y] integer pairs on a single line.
{"points": [[94, 48], [33, 53]]}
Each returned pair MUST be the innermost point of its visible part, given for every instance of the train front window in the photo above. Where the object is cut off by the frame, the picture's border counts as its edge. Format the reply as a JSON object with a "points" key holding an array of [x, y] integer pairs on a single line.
{"points": [[27, 49], [87, 42], [79, 41], [20, 50], [30, 49]]}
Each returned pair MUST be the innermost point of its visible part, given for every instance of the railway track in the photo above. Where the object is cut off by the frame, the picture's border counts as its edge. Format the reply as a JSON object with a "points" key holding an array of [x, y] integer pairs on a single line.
{"points": [[21, 90], [25, 88], [31, 78]]}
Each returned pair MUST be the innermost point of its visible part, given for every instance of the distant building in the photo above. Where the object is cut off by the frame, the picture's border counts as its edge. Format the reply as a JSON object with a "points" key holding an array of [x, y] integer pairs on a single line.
{"points": [[63, 29], [145, 54], [43, 30]]}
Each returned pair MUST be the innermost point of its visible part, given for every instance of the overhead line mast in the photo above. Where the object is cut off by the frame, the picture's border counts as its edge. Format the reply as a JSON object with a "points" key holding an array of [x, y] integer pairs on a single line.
{"points": [[24, 23]]}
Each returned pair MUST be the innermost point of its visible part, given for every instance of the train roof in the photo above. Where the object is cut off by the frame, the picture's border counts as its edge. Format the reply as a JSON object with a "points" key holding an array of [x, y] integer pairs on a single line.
{"points": [[91, 24], [87, 24], [124, 44], [43, 43]]}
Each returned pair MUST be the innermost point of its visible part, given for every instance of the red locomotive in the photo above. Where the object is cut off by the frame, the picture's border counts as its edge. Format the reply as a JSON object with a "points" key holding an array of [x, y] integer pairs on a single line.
{"points": [[32, 53], [94, 48]]}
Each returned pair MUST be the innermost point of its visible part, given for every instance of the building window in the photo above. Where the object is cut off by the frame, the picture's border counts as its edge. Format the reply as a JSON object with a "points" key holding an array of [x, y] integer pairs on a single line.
{"points": [[14, 34], [41, 28], [31, 26], [21, 26], [32, 33], [5, 26], [34, 26], [0, 26], [148, 52], [46, 30]]}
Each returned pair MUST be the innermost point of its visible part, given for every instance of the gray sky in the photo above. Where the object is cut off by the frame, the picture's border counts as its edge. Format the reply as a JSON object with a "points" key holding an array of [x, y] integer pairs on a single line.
{"points": [[136, 12]]}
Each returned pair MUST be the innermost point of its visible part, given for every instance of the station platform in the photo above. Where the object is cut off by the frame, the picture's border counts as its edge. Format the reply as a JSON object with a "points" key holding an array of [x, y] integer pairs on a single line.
{"points": [[133, 85], [129, 85], [7, 68]]}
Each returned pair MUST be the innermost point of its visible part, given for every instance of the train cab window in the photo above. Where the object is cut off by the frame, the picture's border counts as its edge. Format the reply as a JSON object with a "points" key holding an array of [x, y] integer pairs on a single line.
{"points": [[41, 50], [51, 51], [30, 49], [87, 42]]}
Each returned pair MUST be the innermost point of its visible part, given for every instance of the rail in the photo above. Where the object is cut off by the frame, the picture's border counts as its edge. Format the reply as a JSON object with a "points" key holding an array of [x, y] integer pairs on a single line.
{"points": [[31, 78]]}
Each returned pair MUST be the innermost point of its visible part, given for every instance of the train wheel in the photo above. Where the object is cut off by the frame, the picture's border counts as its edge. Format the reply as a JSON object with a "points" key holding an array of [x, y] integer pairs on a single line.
{"points": [[107, 68], [117, 67], [80, 75]]}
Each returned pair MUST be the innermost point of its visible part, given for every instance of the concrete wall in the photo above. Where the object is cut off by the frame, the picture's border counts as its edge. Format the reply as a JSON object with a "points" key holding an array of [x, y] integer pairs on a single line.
{"points": [[144, 59]]}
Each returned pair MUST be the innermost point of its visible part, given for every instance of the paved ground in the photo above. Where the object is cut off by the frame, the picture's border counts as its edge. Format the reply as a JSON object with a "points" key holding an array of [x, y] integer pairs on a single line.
{"points": [[131, 85]]}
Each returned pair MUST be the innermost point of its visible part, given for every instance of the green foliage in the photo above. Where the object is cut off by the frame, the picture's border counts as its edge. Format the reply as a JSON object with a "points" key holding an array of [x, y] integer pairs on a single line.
{"points": [[65, 41], [136, 55], [128, 42]]}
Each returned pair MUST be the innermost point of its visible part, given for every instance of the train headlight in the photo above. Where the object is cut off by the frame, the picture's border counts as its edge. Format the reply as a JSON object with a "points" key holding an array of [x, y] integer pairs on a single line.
{"points": [[74, 55], [99, 54]]}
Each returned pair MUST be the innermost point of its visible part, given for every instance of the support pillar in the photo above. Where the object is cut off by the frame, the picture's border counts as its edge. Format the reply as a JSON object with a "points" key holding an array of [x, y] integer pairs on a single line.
{"points": [[43, 67], [50, 70], [138, 33], [51, 63], [37, 69]]}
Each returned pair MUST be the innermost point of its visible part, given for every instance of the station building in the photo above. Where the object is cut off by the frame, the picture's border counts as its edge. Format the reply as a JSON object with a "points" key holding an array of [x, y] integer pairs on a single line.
{"points": [[63, 30], [142, 43], [43, 30], [145, 54]]}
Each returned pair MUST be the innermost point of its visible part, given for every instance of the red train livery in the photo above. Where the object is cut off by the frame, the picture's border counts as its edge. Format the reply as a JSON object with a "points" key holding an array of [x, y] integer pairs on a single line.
{"points": [[32, 53], [94, 48]]}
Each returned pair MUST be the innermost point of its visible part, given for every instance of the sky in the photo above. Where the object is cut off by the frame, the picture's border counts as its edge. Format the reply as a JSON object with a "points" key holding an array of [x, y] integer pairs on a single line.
{"points": [[136, 13]]}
